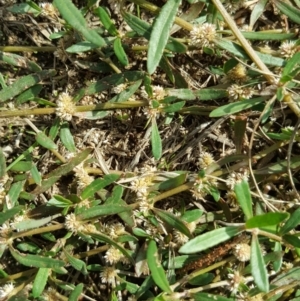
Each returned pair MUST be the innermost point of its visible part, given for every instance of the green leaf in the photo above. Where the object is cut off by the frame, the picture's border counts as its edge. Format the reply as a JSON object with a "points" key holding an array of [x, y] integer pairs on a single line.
{"points": [[45, 185], [292, 239], [127, 93], [74, 17], [36, 260], [243, 195], [81, 47], [57, 35], [157, 271], [15, 191], [160, 33], [7, 215], [279, 167], [102, 210], [40, 282], [291, 223], [76, 263], [19, 61], [97, 185], [104, 238], [192, 215], [2, 164], [173, 221], [34, 223], [278, 263], [236, 107], [140, 232], [120, 52], [74, 296], [155, 140], [267, 219], [24, 83], [171, 183], [287, 277], [291, 11], [106, 21], [24, 8], [116, 199], [43, 140], [28, 247], [258, 268], [35, 174], [237, 50], [257, 11], [22, 166], [68, 167], [291, 64], [67, 137], [113, 80], [210, 239], [175, 107], [264, 35]]}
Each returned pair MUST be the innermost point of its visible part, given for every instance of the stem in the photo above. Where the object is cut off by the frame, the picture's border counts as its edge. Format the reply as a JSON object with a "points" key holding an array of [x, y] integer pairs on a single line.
{"points": [[98, 107], [27, 48], [173, 191], [244, 43], [197, 273]]}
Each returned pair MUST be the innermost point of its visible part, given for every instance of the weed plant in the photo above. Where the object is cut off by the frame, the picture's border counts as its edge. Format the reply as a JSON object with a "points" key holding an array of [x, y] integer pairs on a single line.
{"points": [[149, 151]]}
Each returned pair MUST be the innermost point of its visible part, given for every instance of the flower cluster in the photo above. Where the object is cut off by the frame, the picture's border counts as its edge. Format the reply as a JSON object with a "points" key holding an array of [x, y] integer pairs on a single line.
{"points": [[288, 49], [203, 35], [236, 177], [65, 107], [205, 159], [237, 92]]}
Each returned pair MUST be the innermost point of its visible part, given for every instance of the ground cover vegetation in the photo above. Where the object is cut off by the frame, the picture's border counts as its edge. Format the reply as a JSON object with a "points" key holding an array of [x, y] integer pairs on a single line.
{"points": [[149, 150]]}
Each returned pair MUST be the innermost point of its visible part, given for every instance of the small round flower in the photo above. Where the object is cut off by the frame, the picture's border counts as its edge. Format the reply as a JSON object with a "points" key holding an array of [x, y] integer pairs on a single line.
{"points": [[235, 280], [180, 238], [203, 35], [242, 252], [236, 177], [231, 198], [83, 178], [238, 73], [72, 224], [288, 49], [158, 92], [109, 274], [65, 106], [205, 159], [237, 92], [113, 255], [48, 9], [116, 230], [5, 290]]}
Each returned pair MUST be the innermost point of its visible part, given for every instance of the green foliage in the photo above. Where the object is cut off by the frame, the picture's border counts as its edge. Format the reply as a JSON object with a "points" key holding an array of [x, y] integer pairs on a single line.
{"points": [[172, 155]]}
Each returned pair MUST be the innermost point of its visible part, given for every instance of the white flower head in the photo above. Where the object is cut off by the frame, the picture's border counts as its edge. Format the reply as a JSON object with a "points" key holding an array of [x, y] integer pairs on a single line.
{"points": [[65, 106], [288, 49], [72, 224], [5, 290], [242, 252], [109, 274], [203, 35]]}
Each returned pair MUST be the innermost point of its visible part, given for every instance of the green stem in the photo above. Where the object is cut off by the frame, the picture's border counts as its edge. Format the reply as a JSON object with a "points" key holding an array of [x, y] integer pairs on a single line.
{"points": [[98, 107], [27, 48]]}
